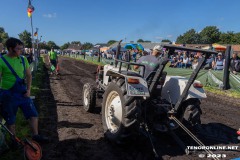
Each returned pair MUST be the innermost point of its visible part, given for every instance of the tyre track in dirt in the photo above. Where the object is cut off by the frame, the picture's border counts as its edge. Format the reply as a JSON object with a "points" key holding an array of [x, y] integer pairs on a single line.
{"points": [[221, 109], [80, 134], [70, 101]]}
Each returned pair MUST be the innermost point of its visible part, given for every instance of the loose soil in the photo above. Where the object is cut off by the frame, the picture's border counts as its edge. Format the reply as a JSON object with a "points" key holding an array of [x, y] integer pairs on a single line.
{"points": [[77, 135]]}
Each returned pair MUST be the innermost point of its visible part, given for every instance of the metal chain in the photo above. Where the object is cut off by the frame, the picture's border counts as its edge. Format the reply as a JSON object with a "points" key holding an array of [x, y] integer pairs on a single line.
{"points": [[192, 135]]}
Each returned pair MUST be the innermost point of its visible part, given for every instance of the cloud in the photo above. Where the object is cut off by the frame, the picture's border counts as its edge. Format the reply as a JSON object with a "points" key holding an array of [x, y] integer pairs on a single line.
{"points": [[221, 18], [169, 36], [54, 15]]}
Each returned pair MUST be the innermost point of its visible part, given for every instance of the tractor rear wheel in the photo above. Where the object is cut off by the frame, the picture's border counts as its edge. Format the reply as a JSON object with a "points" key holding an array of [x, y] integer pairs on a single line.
{"points": [[119, 113]]}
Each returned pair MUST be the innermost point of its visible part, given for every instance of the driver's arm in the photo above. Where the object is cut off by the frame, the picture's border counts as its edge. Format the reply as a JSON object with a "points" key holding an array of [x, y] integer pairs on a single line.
{"points": [[135, 67]]}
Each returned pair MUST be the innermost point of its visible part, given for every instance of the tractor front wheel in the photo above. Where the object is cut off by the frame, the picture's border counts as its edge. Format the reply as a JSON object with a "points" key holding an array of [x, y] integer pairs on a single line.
{"points": [[119, 113], [89, 97]]}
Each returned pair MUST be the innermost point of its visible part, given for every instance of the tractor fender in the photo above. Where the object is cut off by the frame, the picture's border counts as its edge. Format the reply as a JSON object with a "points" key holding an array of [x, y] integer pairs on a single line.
{"points": [[109, 70], [174, 86], [135, 85]]}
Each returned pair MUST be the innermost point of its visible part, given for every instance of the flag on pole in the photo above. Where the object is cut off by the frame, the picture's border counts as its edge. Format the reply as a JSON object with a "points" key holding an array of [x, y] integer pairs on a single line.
{"points": [[30, 10], [36, 34]]}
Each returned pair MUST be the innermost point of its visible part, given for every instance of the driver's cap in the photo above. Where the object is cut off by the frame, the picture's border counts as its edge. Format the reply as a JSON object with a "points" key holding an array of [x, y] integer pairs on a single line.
{"points": [[158, 48]]}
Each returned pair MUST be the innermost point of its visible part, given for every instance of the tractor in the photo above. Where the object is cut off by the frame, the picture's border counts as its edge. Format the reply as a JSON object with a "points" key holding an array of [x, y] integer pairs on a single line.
{"points": [[158, 103]]}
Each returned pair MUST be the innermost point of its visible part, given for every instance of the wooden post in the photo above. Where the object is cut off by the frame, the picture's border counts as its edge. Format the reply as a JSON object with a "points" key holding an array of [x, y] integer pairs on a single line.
{"points": [[99, 54], [226, 74]]}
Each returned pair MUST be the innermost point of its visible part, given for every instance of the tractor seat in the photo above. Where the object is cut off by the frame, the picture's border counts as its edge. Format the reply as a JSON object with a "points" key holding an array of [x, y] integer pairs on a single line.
{"points": [[150, 77], [129, 73]]}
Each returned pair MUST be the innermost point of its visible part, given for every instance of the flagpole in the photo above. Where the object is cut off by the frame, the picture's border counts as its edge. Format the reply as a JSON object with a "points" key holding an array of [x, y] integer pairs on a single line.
{"points": [[32, 35], [35, 58], [31, 22], [38, 55]]}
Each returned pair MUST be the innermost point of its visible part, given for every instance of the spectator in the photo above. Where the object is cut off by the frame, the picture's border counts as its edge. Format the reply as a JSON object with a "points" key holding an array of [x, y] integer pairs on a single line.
{"points": [[173, 63], [109, 55], [191, 59], [128, 56], [209, 62], [218, 64], [235, 63], [194, 63], [134, 55], [105, 54], [14, 93], [185, 61], [199, 56], [180, 59], [144, 53], [29, 56]]}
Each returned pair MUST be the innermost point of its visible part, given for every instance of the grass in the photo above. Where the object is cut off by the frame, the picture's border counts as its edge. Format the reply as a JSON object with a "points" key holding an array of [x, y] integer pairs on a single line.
{"points": [[93, 61], [22, 125], [229, 93]]}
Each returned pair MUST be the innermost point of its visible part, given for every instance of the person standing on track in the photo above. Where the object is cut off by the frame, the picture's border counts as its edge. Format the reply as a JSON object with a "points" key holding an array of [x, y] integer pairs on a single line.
{"points": [[53, 59]]}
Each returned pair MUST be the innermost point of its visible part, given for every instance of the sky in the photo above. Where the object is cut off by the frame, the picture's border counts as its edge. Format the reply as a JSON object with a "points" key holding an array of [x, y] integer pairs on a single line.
{"points": [[98, 21]]}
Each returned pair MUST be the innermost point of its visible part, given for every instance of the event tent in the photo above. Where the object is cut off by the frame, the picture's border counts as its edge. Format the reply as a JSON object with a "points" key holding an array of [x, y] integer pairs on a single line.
{"points": [[216, 47]]}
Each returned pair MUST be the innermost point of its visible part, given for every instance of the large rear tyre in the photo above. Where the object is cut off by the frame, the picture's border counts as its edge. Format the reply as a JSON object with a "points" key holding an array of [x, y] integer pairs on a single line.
{"points": [[190, 113], [89, 97], [119, 113]]}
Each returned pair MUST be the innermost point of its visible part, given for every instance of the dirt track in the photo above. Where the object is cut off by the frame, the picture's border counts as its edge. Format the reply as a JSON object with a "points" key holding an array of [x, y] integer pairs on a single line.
{"points": [[77, 135]]}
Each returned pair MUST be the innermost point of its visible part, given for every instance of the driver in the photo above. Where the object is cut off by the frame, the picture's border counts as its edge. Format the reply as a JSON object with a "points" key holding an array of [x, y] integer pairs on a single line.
{"points": [[150, 61]]}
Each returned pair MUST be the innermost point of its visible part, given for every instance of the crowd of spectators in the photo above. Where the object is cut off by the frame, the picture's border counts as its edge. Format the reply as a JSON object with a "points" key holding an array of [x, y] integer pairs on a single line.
{"points": [[129, 55], [180, 59], [216, 62], [190, 60]]}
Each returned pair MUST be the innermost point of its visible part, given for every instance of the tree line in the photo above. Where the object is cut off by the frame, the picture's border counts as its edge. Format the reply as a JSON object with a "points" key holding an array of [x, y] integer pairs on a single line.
{"points": [[26, 38], [209, 35]]}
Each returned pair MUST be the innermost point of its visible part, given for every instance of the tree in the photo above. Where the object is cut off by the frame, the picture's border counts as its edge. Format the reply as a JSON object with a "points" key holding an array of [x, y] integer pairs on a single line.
{"points": [[111, 42], [87, 45], [189, 37], [227, 38], [179, 39], [52, 44], [140, 40], [166, 40], [43, 45], [76, 42], [2, 30], [65, 46], [147, 41], [25, 37], [209, 35], [237, 38], [3, 35]]}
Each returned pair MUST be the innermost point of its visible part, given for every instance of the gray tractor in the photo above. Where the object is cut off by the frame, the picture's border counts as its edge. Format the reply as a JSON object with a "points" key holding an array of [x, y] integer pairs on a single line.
{"points": [[132, 104]]}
